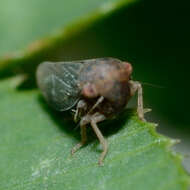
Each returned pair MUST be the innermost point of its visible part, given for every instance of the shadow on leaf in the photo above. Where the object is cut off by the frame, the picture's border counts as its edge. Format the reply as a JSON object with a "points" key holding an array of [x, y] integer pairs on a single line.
{"points": [[64, 121]]}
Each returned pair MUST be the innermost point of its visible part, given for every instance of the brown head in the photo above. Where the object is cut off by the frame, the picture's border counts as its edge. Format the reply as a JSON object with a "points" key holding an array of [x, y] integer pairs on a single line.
{"points": [[101, 78]]}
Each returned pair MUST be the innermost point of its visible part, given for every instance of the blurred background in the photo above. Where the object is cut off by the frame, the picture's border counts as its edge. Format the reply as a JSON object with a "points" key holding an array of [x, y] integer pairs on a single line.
{"points": [[153, 35]]}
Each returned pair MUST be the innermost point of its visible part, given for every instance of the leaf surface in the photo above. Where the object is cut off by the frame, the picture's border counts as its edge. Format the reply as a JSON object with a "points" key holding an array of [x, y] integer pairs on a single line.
{"points": [[35, 146]]}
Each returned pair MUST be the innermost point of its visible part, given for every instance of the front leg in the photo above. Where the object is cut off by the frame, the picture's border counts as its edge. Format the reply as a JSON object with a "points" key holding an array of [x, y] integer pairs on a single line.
{"points": [[83, 123], [98, 102], [136, 86], [93, 120], [81, 105], [83, 139]]}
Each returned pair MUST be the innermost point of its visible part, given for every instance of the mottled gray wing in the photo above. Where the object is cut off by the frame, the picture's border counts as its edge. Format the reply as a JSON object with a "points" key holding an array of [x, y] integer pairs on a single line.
{"points": [[58, 83]]}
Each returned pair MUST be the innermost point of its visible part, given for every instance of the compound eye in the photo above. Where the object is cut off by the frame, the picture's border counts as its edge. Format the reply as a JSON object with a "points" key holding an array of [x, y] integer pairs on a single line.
{"points": [[89, 91]]}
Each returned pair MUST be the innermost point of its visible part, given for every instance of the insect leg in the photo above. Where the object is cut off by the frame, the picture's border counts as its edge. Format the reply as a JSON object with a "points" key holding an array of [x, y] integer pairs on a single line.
{"points": [[95, 119], [83, 139], [84, 121], [99, 101], [81, 105], [136, 86]]}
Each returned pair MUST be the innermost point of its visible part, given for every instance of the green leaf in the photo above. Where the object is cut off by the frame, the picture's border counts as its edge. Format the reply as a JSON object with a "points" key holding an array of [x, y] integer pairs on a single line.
{"points": [[61, 33], [36, 19], [35, 144]]}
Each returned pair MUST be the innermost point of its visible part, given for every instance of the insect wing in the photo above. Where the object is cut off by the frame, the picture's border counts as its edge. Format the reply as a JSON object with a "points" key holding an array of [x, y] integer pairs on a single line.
{"points": [[58, 83]]}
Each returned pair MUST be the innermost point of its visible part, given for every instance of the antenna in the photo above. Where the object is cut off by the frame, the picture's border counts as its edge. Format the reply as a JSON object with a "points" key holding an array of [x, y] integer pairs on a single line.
{"points": [[152, 85]]}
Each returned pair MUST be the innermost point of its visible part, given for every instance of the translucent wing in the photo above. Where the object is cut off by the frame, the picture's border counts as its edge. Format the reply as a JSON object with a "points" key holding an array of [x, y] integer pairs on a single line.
{"points": [[58, 83]]}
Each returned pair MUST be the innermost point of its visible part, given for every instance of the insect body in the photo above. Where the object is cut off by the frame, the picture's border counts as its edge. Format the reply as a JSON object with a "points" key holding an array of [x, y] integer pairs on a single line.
{"points": [[97, 89]]}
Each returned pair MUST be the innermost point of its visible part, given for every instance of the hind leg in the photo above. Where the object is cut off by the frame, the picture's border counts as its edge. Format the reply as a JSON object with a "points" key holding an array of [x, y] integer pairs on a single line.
{"points": [[136, 86]]}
